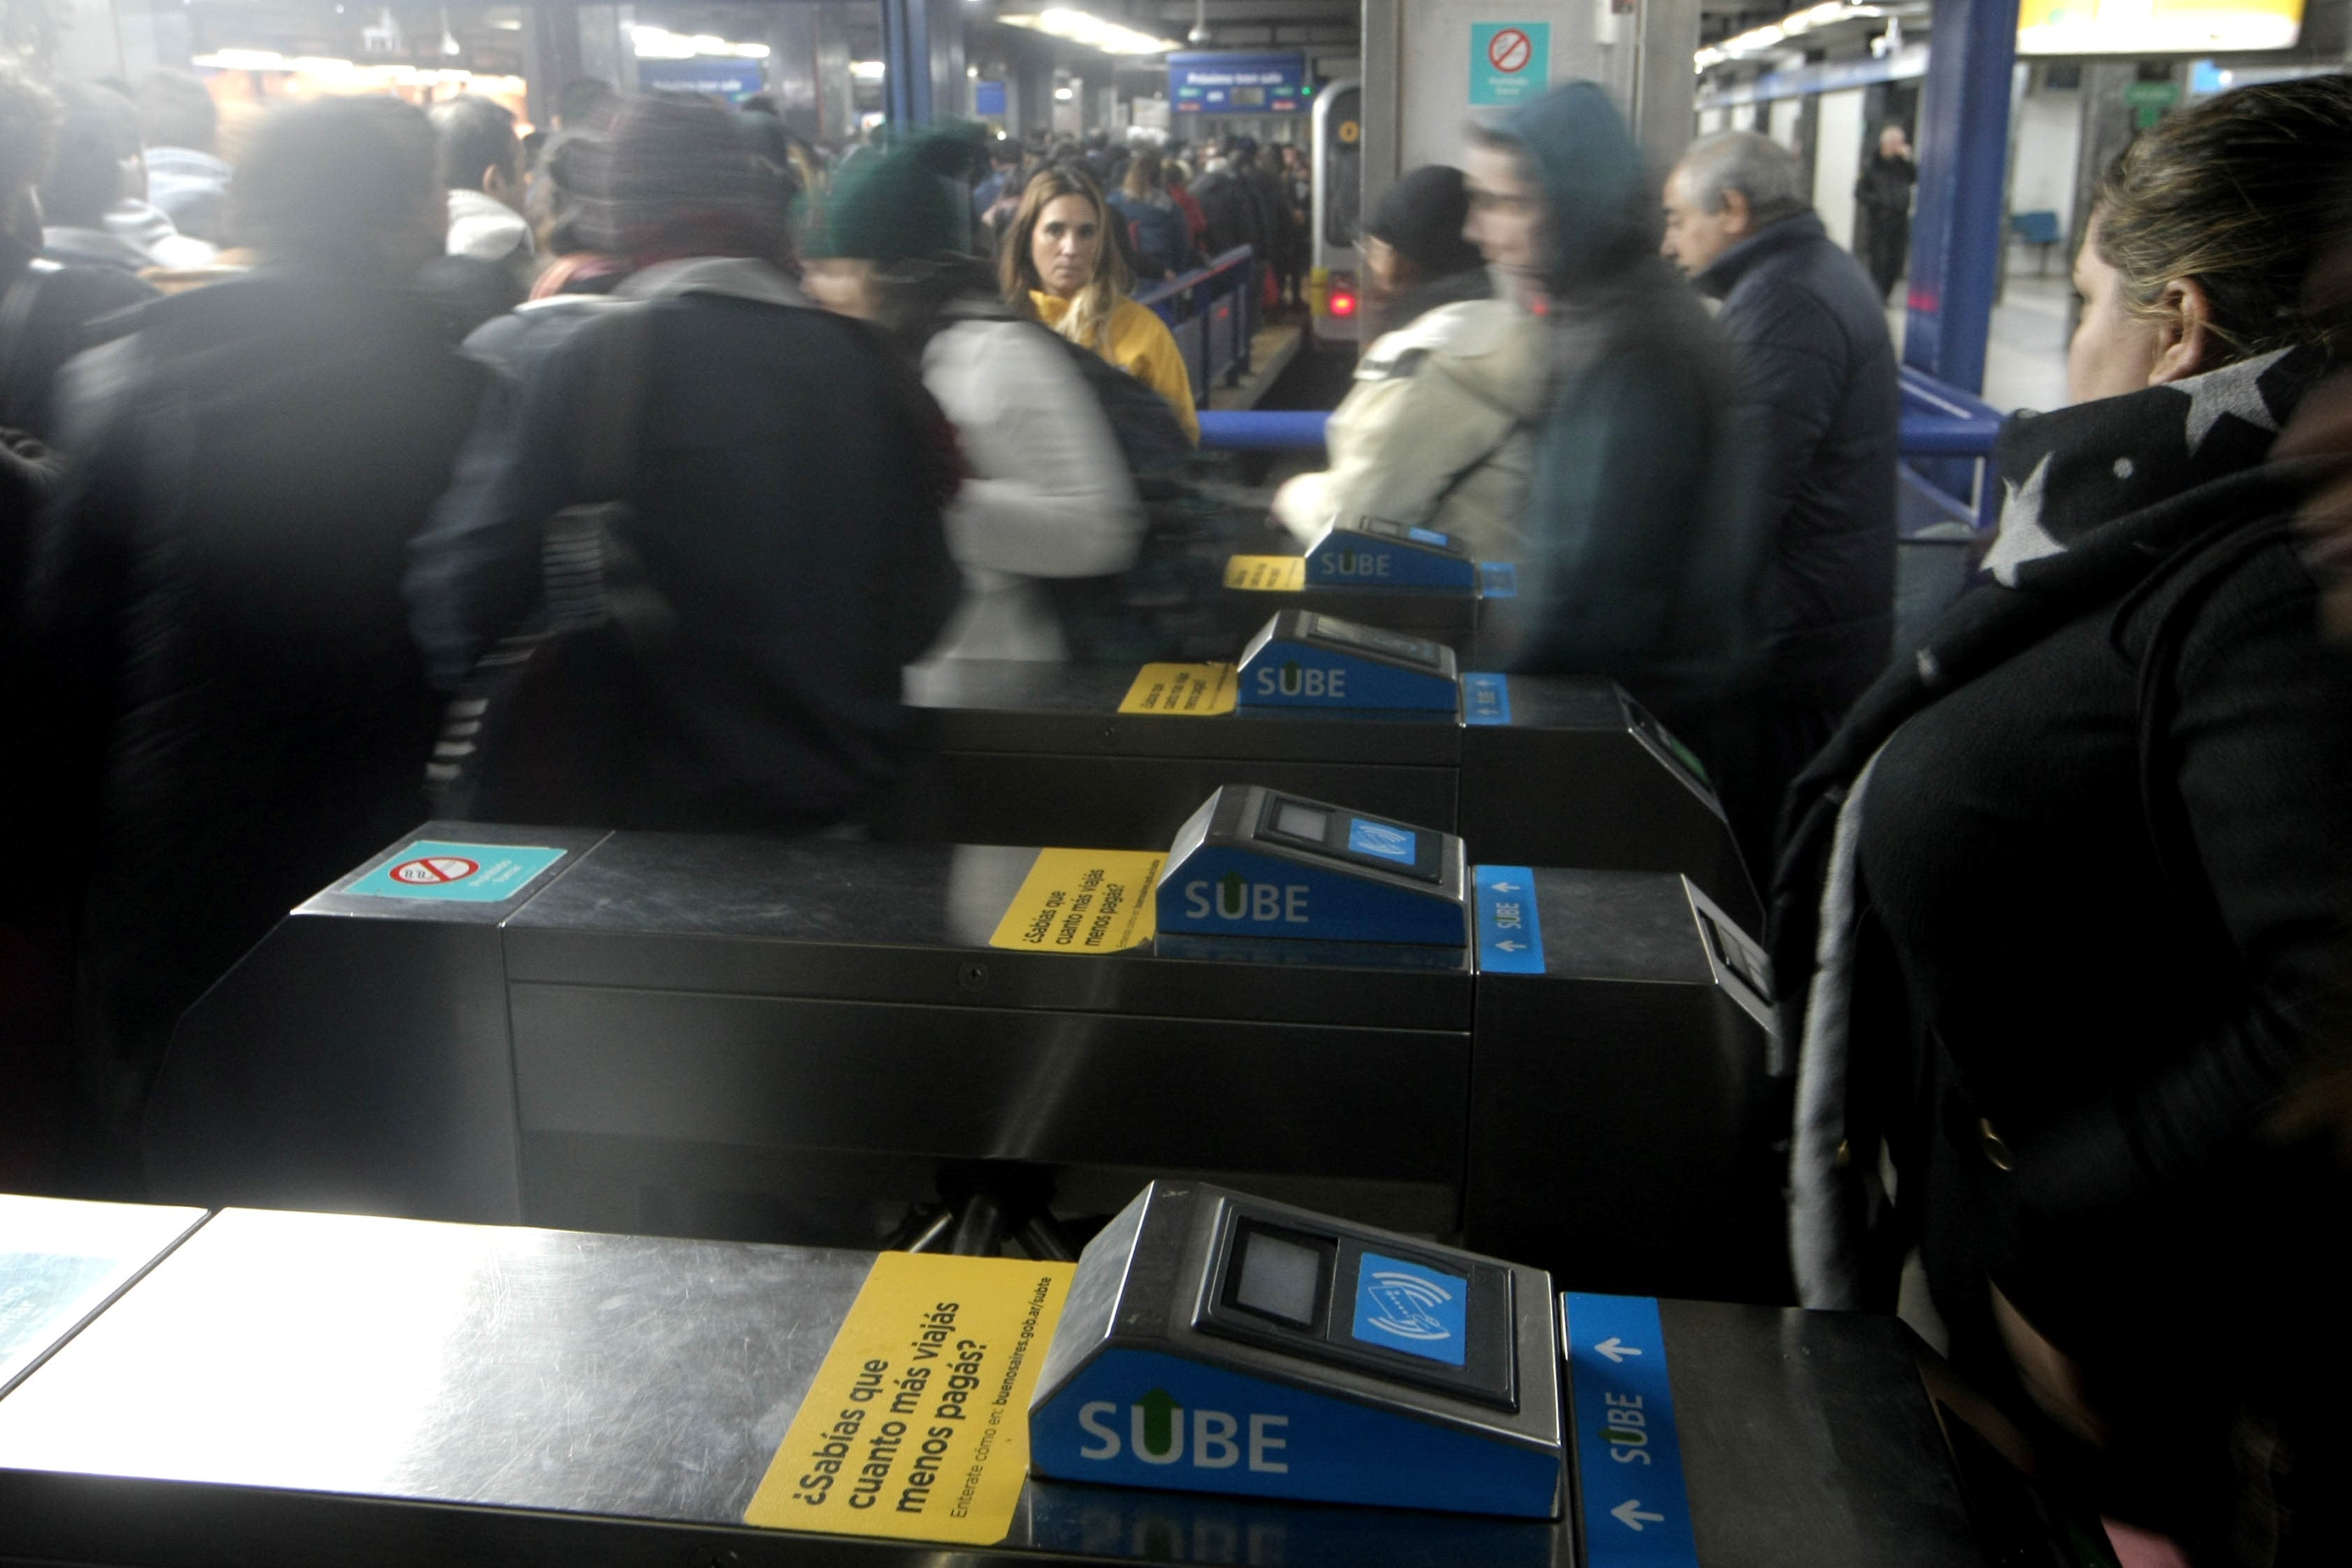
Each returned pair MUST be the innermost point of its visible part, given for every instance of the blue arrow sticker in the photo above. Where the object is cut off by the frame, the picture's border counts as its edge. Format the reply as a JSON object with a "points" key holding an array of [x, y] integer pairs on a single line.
{"points": [[1485, 699], [1510, 936], [1628, 1460], [1498, 580]]}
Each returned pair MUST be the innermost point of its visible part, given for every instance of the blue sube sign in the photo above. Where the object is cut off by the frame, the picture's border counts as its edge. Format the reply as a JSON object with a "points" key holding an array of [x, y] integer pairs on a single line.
{"points": [[1237, 83], [1629, 1456]]}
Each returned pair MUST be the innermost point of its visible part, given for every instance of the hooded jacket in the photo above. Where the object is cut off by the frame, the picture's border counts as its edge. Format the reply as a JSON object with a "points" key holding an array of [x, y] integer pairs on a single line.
{"points": [[1640, 563]]}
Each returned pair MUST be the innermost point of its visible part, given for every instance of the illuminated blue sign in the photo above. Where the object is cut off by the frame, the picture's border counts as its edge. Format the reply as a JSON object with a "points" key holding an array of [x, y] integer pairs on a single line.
{"points": [[1237, 83]]}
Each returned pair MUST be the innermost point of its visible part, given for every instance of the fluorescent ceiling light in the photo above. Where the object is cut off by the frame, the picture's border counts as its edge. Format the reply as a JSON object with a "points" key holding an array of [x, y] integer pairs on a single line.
{"points": [[1773, 36], [1084, 28], [660, 44], [867, 70], [350, 75]]}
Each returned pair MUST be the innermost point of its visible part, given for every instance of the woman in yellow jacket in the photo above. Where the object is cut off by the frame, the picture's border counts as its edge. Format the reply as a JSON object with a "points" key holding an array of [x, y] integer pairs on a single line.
{"points": [[1059, 264]]}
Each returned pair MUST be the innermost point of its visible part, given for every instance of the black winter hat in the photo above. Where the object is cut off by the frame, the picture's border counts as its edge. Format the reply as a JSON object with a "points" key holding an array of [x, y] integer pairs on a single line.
{"points": [[1422, 217]]}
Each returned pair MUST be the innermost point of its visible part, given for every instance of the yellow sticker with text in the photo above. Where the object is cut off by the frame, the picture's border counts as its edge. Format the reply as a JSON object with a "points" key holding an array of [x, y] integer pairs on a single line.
{"points": [[1202, 689], [1083, 900], [1267, 574], [917, 1425]]}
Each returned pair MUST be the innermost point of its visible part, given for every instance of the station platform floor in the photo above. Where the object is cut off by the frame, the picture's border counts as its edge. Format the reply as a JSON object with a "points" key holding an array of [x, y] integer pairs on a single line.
{"points": [[2025, 353]]}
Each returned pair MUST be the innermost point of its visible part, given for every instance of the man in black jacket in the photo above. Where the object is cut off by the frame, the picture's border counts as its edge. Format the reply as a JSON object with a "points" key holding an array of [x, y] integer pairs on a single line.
{"points": [[1819, 389], [237, 711], [782, 554]]}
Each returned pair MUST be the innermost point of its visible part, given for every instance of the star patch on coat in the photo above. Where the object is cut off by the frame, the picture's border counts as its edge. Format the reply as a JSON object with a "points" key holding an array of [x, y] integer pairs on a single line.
{"points": [[2234, 390], [2022, 538]]}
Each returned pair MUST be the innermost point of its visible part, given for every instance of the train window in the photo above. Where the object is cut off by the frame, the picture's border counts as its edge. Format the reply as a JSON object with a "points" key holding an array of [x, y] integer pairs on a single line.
{"points": [[1343, 172]]}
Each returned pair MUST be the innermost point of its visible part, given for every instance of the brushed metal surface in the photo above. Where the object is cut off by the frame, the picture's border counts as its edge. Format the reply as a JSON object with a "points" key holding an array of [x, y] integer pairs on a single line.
{"points": [[476, 1364], [61, 1259]]}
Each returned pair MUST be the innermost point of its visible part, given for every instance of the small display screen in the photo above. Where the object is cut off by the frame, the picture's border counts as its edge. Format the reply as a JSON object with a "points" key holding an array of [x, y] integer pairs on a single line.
{"points": [[1395, 644], [1382, 841], [1280, 1278], [1430, 536], [1301, 821], [1381, 528]]}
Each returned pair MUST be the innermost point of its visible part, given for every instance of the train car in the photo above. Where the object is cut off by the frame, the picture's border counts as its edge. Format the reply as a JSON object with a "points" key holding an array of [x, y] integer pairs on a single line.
{"points": [[1339, 207]]}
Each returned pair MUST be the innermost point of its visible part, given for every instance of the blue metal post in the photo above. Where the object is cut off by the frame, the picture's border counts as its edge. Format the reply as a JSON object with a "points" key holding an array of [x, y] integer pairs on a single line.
{"points": [[1956, 236], [906, 61]]}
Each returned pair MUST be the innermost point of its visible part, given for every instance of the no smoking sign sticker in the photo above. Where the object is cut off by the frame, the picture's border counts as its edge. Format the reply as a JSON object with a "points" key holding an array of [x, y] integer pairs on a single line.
{"points": [[435, 870], [471, 873], [1511, 62]]}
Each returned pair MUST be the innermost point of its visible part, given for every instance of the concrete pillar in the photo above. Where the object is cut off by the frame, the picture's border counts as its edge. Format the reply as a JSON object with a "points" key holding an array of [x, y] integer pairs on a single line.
{"points": [[606, 52], [794, 71], [153, 34], [1417, 71], [551, 56], [87, 43]]}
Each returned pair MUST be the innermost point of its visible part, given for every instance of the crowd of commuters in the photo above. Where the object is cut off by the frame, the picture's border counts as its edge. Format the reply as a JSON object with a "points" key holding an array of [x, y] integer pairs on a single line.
{"points": [[624, 474]]}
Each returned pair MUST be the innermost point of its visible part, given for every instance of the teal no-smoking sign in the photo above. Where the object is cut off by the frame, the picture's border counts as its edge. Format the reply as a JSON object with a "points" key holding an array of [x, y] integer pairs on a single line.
{"points": [[1509, 61]]}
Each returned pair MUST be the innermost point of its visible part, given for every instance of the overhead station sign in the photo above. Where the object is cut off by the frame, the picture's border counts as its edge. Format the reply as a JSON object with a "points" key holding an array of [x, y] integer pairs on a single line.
{"points": [[1222, 83], [2156, 27]]}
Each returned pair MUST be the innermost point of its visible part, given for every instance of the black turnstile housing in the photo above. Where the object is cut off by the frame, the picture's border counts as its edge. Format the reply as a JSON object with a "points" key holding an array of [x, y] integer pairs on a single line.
{"points": [[778, 1039], [1015, 752]]}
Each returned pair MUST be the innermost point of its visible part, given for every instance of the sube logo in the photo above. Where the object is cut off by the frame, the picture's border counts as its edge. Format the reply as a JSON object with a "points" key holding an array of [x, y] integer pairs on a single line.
{"points": [[1159, 1431], [1293, 679], [1235, 899]]}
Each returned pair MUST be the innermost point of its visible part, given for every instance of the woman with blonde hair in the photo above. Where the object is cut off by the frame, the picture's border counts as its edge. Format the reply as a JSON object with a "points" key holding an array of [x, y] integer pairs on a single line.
{"points": [[1059, 264]]}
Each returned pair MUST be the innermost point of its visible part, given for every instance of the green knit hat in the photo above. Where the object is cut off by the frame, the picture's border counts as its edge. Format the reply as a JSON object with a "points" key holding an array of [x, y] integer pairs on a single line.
{"points": [[906, 202]]}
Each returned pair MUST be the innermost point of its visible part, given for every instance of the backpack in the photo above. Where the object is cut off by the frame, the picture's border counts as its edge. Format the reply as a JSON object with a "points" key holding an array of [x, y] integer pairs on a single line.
{"points": [[1167, 604]]}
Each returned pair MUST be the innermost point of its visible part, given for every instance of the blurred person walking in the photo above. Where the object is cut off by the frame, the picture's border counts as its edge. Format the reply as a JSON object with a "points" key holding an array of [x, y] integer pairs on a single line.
{"points": [[1818, 388], [93, 199], [238, 711], [49, 311], [179, 125], [1882, 204], [481, 164], [2062, 926], [1045, 492], [770, 479], [1161, 242], [1058, 265], [1640, 563], [1438, 428]]}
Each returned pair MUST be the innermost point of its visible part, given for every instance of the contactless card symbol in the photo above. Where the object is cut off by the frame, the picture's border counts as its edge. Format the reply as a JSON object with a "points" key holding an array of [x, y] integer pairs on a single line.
{"points": [[1378, 839], [1405, 1307]]}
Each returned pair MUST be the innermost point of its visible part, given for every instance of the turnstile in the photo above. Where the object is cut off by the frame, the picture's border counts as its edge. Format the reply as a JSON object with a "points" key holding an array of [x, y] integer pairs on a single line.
{"points": [[1568, 771], [791, 1039], [347, 1391]]}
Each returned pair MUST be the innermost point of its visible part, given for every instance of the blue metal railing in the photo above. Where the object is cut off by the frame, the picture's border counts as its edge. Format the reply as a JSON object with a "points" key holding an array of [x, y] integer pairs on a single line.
{"points": [[1947, 438], [1947, 432], [1212, 311]]}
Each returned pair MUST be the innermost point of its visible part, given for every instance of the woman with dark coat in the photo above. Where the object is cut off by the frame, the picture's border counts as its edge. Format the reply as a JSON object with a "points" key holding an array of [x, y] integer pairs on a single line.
{"points": [[2059, 924]]}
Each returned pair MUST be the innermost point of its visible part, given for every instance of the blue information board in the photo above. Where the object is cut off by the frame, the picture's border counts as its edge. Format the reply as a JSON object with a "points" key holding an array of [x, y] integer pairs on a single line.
{"points": [[1510, 934], [1223, 83], [988, 99], [1629, 1457], [713, 76]]}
